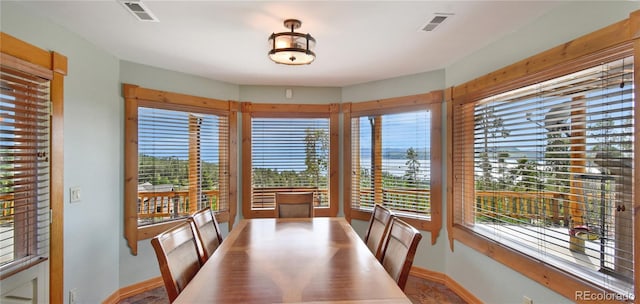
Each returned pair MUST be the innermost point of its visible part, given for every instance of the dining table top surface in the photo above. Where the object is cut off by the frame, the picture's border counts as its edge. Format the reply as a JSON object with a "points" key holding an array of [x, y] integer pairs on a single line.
{"points": [[314, 260]]}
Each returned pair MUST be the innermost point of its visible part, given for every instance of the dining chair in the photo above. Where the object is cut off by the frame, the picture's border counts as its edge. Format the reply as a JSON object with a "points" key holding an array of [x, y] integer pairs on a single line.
{"points": [[378, 228], [399, 249], [178, 257], [294, 204], [207, 232]]}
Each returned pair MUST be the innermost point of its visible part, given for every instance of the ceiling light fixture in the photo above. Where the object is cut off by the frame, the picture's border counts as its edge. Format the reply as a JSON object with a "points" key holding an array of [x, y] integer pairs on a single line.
{"points": [[292, 48]]}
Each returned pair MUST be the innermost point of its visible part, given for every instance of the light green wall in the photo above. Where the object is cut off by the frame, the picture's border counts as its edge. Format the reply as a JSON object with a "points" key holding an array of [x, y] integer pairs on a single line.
{"points": [[567, 22], [92, 153], [395, 87], [300, 95], [170, 81], [94, 140]]}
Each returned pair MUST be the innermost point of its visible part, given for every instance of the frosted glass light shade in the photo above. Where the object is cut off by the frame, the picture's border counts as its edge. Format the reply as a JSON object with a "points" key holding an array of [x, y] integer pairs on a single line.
{"points": [[292, 48]]}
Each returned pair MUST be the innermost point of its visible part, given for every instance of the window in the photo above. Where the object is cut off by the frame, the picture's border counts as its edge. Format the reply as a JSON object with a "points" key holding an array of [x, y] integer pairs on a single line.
{"points": [[394, 158], [31, 157], [542, 170], [181, 160], [24, 164], [289, 155], [289, 152]]}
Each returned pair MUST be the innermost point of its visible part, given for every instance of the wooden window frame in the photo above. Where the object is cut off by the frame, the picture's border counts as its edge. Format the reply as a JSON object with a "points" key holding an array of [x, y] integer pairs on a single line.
{"points": [[571, 56], [264, 110], [136, 96], [429, 101], [57, 63]]}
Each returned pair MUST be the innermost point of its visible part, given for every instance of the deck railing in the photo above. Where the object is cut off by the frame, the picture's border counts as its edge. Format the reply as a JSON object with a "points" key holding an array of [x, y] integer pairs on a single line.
{"points": [[265, 197], [6, 205], [493, 205], [400, 199], [490, 205], [170, 204]]}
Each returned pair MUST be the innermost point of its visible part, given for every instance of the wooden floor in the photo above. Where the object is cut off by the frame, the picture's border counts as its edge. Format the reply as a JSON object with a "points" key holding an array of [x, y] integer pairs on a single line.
{"points": [[418, 290]]}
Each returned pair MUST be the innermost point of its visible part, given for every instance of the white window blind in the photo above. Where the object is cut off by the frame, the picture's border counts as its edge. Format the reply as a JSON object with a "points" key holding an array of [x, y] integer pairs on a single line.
{"points": [[24, 168], [391, 162], [289, 155], [182, 163], [547, 170]]}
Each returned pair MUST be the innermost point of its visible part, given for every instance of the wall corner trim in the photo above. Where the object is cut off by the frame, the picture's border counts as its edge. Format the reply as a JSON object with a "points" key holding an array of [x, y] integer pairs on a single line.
{"points": [[447, 281], [132, 290]]}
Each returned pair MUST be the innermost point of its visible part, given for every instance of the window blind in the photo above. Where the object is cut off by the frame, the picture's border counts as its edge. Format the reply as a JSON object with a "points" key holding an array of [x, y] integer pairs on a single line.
{"points": [[547, 170], [391, 162], [24, 167], [182, 163], [289, 155]]}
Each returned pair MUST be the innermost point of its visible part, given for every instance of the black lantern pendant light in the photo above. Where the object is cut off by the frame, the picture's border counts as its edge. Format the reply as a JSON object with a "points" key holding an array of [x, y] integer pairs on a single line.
{"points": [[292, 48]]}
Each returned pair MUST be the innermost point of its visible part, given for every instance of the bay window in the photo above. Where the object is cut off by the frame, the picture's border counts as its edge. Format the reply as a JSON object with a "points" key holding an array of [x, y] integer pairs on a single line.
{"points": [[177, 159], [543, 166]]}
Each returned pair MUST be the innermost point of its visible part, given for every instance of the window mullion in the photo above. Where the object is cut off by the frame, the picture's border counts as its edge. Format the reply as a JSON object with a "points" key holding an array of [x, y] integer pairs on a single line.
{"points": [[376, 158], [195, 178]]}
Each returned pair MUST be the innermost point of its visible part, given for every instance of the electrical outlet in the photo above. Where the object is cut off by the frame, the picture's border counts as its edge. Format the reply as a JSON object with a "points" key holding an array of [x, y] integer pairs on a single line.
{"points": [[73, 296], [526, 300], [74, 194]]}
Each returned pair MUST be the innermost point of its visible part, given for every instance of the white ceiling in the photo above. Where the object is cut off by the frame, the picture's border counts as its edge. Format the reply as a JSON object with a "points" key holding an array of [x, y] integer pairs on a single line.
{"points": [[357, 41]]}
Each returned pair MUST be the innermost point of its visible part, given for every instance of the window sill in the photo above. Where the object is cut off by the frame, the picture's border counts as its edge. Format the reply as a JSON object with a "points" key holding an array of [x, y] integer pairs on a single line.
{"points": [[20, 265], [149, 231], [548, 271]]}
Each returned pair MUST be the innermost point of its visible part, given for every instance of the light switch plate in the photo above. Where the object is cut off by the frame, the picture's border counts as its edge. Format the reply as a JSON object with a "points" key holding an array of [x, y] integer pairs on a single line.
{"points": [[74, 194]]}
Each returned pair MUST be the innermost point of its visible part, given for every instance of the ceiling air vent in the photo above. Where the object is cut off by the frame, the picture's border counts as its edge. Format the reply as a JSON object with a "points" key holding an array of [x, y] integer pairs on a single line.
{"points": [[139, 10], [437, 20]]}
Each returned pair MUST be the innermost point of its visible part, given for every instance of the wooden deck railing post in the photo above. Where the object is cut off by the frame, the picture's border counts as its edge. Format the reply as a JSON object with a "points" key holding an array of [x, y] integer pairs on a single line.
{"points": [[578, 164], [555, 207]]}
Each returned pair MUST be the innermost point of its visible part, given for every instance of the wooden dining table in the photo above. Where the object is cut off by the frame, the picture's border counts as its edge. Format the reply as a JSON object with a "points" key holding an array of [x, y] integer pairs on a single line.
{"points": [[315, 260]]}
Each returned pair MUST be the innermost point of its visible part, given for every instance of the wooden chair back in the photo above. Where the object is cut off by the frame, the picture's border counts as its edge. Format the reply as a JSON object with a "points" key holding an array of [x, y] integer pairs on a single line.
{"points": [[399, 249], [207, 232], [378, 227], [178, 257], [294, 204]]}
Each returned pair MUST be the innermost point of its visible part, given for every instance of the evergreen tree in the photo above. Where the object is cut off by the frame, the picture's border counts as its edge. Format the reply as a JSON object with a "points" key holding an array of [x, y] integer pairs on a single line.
{"points": [[492, 127], [413, 165], [316, 154]]}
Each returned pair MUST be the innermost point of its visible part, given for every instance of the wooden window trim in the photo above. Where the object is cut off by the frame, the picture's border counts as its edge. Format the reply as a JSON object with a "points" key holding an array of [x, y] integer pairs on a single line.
{"points": [[431, 101], [136, 96], [264, 110], [610, 41], [57, 63]]}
